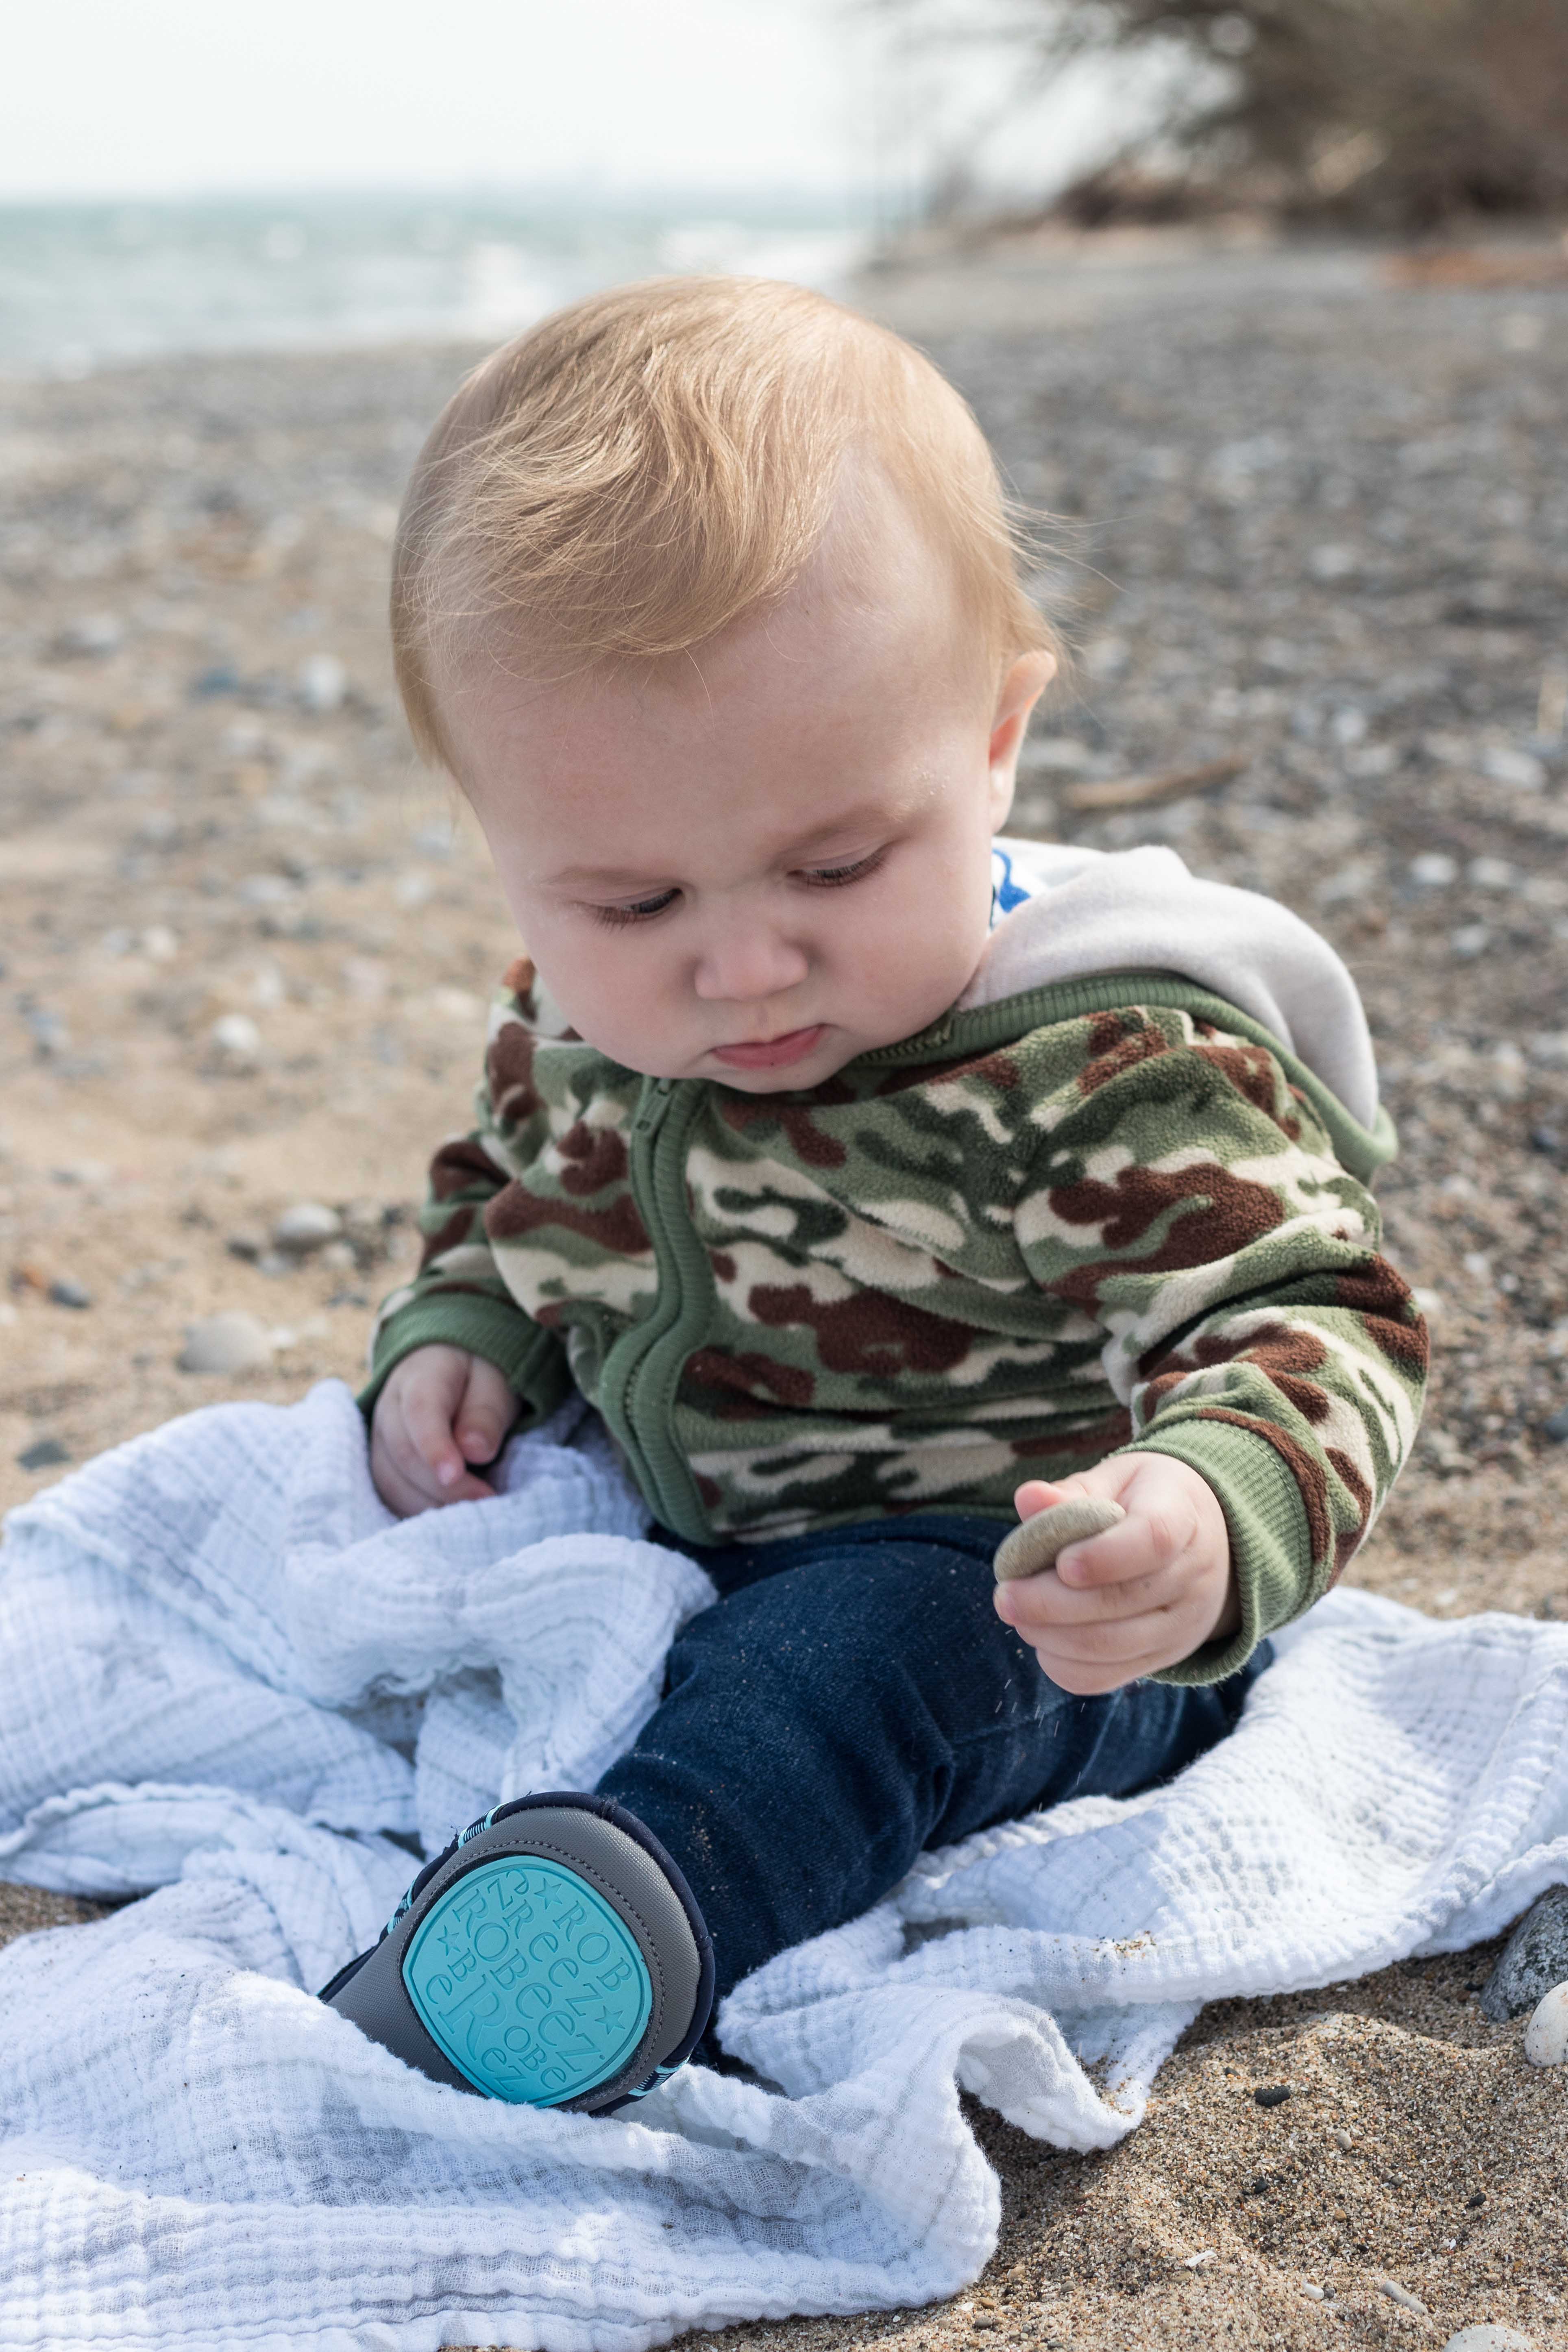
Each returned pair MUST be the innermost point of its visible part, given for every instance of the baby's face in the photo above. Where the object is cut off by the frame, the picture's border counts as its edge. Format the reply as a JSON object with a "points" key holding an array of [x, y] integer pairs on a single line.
{"points": [[765, 858]]}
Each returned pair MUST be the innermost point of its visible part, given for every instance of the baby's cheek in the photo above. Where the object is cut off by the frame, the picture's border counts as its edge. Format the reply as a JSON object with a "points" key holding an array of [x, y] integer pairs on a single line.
{"points": [[902, 976]]}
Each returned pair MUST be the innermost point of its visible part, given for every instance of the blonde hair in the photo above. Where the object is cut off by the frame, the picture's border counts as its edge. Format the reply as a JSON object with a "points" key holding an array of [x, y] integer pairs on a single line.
{"points": [[650, 465]]}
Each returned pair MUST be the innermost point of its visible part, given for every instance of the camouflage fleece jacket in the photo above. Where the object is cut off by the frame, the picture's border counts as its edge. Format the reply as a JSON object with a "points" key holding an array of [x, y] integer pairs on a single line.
{"points": [[1113, 1210]]}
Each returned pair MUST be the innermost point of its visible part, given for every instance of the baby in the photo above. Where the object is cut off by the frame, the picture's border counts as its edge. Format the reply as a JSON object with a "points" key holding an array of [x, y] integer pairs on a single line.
{"points": [[853, 1167]]}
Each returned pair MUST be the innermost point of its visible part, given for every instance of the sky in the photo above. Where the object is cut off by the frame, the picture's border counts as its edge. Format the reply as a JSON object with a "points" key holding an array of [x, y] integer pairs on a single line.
{"points": [[149, 97], [154, 96]]}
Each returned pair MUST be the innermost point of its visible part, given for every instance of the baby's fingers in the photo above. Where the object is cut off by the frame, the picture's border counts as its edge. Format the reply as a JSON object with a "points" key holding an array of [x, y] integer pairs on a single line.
{"points": [[399, 1492], [485, 1412], [426, 1414], [1092, 1677], [1036, 1605], [1144, 1544], [424, 1450]]}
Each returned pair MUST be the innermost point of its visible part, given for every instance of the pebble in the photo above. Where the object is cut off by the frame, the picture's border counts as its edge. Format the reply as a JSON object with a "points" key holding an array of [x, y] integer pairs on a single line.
{"points": [[1555, 1425], [1533, 1960], [1272, 2095], [44, 1454], [323, 683], [266, 890], [1546, 2035], [1035, 1543], [97, 632], [1490, 2335], [1401, 2295], [230, 1342], [363, 1221], [307, 1227], [236, 1040], [1521, 768], [1433, 869], [66, 1293], [48, 1030], [246, 1243]]}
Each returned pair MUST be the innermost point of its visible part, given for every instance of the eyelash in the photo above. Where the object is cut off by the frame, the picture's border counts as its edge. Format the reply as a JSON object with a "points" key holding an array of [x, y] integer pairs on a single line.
{"points": [[819, 878], [643, 911], [834, 877]]}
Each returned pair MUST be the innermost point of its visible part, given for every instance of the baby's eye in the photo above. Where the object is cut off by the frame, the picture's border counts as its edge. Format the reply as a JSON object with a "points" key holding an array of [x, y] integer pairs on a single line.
{"points": [[833, 877], [637, 910]]}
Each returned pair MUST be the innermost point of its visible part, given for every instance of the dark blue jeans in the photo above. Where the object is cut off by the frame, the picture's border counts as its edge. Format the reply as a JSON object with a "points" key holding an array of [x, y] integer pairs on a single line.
{"points": [[851, 1698]]}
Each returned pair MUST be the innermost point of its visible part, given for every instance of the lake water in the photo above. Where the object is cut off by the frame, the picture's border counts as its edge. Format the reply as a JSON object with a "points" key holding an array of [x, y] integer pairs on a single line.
{"points": [[84, 285]]}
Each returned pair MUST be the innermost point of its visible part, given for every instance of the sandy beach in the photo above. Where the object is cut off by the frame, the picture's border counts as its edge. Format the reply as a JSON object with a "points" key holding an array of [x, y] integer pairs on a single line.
{"points": [[1313, 542]]}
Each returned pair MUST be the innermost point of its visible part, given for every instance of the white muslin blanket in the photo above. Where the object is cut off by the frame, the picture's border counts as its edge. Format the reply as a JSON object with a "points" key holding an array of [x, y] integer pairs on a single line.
{"points": [[227, 1675]]}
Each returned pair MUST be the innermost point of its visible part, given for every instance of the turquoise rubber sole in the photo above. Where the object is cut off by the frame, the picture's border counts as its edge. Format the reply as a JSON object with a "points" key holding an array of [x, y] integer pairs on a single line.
{"points": [[528, 1982]]}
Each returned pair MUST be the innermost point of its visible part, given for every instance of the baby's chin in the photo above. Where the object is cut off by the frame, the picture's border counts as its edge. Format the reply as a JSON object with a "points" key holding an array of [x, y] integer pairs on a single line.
{"points": [[787, 1076], [791, 1074]]}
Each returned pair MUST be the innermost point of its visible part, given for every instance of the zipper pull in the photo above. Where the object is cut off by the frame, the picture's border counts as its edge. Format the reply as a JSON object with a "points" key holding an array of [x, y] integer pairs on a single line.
{"points": [[657, 1096]]}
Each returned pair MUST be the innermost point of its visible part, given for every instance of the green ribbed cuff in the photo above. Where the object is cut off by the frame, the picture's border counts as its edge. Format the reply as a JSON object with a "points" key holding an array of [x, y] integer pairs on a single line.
{"points": [[531, 1359], [1270, 1544]]}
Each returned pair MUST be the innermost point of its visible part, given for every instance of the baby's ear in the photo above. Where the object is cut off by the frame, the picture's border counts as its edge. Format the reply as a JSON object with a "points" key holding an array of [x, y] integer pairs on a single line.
{"points": [[1023, 683]]}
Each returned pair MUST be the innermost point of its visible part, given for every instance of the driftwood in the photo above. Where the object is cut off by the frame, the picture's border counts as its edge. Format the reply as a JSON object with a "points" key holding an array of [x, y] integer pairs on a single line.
{"points": [[1147, 792], [1478, 266]]}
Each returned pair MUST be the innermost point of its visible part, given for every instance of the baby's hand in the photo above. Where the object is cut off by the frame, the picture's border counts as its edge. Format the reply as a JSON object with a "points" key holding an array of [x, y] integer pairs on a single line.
{"points": [[441, 1408], [1146, 1595]]}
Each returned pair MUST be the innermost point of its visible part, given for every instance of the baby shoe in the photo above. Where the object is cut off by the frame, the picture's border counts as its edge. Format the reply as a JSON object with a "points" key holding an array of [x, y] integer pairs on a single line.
{"points": [[554, 1956]]}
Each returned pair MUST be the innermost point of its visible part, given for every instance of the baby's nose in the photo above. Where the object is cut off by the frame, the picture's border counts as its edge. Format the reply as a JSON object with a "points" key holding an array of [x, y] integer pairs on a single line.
{"points": [[748, 961]]}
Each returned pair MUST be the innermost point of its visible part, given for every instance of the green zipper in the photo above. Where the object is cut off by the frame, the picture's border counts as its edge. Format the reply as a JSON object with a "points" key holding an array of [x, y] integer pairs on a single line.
{"points": [[642, 1370]]}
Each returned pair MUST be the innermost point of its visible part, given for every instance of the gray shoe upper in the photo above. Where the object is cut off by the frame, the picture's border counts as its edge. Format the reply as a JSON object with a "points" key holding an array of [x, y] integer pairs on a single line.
{"points": [[619, 1870]]}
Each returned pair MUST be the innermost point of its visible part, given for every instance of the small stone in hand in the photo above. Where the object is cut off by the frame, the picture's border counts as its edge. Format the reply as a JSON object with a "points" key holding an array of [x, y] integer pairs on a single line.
{"points": [[1035, 1543]]}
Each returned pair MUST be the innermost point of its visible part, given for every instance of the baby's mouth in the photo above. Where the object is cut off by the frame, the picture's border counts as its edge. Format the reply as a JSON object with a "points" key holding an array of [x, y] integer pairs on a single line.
{"points": [[773, 1052]]}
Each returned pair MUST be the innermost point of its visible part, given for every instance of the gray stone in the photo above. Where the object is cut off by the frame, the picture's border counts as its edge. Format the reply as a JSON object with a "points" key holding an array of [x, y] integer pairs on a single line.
{"points": [[44, 1454], [1401, 2295], [363, 1221], [247, 1244], [1035, 1542], [65, 1292], [230, 1342], [307, 1227], [1504, 765], [1534, 1958], [96, 633], [1490, 2335]]}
